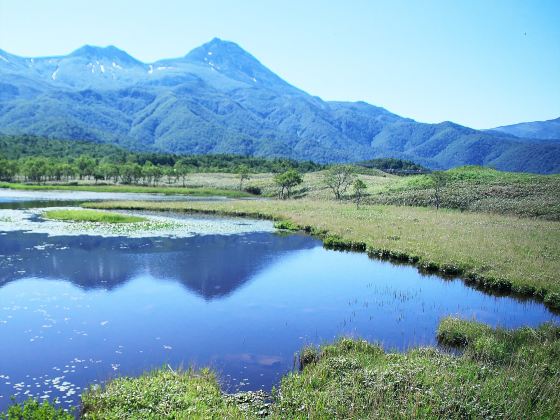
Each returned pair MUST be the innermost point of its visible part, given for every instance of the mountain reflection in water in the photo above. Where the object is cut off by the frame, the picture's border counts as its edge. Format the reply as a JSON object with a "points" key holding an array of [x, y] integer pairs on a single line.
{"points": [[211, 266]]}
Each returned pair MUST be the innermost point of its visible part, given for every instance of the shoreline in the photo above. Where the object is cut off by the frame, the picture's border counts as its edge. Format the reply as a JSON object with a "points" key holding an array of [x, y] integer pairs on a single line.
{"points": [[490, 284]]}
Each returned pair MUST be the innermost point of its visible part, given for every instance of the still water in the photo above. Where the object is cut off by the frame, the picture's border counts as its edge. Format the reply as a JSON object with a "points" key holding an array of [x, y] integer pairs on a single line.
{"points": [[77, 310]]}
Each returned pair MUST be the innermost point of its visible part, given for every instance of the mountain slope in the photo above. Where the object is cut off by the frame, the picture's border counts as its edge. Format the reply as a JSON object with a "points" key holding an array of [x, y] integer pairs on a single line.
{"points": [[220, 99], [549, 129]]}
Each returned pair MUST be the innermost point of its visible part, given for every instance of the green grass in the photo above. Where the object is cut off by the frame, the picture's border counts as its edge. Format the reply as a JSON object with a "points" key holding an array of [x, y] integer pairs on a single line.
{"points": [[499, 374], [162, 394], [470, 188], [91, 216], [493, 378], [34, 410], [194, 191], [495, 252]]}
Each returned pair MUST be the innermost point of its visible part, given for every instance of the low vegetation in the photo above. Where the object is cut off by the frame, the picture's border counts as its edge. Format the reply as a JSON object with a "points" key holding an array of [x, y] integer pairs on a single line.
{"points": [[501, 253], [163, 394], [499, 374], [91, 216], [34, 410], [477, 189]]}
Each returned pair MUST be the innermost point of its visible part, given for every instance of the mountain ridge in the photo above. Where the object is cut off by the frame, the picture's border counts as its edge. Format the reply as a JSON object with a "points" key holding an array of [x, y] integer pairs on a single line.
{"points": [[547, 130], [218, 98]]}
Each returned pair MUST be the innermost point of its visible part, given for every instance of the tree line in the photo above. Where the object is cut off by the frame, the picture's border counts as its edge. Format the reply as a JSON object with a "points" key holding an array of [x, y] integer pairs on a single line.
{"points": [[37, 159], [42, 169]]}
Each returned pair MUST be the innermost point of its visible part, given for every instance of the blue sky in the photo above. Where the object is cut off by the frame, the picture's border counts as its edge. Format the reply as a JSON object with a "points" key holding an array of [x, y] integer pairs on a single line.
{"points": [[480, 63]]}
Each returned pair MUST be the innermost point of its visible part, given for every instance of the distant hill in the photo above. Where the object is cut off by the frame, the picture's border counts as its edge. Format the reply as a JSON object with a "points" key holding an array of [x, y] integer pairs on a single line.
{"points": [[549, 129], [219, 99]]}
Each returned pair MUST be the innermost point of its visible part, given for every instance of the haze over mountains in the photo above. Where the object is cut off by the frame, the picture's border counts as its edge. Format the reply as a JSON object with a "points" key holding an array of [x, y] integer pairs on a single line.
{"points": [[220, 99]]}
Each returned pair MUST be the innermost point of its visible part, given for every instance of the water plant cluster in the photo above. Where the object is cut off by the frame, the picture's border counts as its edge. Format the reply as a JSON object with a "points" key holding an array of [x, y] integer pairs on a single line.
{"points": [[81, 215], [72, 221]]}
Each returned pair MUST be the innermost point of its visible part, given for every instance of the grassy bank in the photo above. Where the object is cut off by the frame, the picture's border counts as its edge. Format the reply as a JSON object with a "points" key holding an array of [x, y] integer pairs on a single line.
{"points": [[501, 253], [91, 216], [194, 191], [162, 394], [470, 188], [500, 374]]}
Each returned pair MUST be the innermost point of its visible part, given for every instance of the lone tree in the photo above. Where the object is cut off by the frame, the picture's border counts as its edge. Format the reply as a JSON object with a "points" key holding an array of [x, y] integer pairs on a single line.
{"points": [[359, 188], [439, 180], [338, 178], [286, 181], [244, 174]]}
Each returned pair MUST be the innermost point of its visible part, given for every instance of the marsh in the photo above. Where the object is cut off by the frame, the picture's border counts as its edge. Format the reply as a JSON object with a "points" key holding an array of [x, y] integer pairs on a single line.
{"points": [[78, 309]]}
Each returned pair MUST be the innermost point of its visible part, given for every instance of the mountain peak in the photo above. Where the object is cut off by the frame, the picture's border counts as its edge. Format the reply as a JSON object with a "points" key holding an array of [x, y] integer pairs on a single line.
{"points": [[230, 59], [109, 52], [219, 49]]}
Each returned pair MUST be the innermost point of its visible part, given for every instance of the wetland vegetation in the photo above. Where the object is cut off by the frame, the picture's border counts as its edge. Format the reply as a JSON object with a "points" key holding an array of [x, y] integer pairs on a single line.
{"points": [[91, 216]]}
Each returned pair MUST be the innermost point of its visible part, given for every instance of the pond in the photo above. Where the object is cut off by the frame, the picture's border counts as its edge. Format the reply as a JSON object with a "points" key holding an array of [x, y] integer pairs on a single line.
{"points": [[78, 308]]}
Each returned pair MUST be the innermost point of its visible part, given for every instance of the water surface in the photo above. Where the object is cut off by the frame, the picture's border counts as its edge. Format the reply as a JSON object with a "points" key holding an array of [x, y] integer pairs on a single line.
{"points": [[76, 310], [16, 199]]}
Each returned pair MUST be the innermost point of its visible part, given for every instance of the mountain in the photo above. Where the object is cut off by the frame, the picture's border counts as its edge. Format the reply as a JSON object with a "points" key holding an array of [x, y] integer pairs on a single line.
{"points": [[534, 130], [218, 98]]}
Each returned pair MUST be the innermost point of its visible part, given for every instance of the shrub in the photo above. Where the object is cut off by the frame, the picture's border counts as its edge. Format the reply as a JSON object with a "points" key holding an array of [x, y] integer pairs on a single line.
{"points": [[252, 189], [286, 225], [308, 356]]}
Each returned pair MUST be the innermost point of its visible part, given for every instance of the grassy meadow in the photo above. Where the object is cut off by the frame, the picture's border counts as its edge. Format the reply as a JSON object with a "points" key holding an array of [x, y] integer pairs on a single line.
{"points": [[470, 188], [500, 374], [479, 190]]}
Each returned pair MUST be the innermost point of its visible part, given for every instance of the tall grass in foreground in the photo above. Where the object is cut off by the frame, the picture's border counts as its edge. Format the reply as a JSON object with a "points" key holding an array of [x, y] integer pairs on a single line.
{"points": [[34, 410], [501, 374], [163, 394]]}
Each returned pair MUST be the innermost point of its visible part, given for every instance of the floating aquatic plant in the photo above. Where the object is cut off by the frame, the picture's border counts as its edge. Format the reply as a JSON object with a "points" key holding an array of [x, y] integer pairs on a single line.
{"points": [[33, 220]]}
